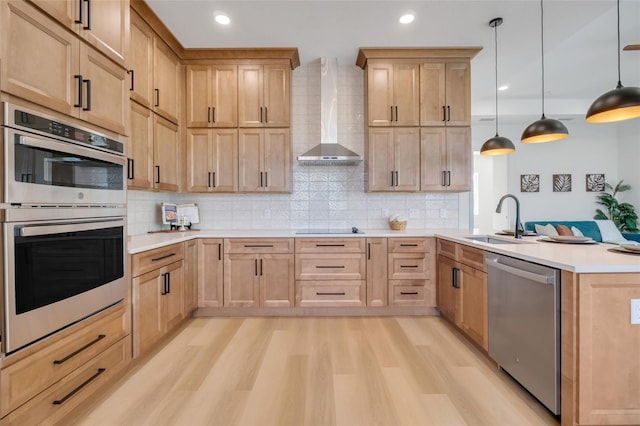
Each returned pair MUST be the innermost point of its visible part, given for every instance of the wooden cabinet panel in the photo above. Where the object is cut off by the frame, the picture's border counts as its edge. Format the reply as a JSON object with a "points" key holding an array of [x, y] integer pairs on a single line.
{"points": [[173, 300], [199, 160], [445, 98], [330, 293], [140, 148], [198, 95], [210, 273], [393, 159], [379, 94], [263, 95], [258, 245], [141, 59], [474, 316], [212, 95], [447, 248], [190, 276], [106, 27], [212, 160], [458, 91], [411, 245], [149, 260], [148, 323], [276, 280], [449, 296], [165, 154], [264, 163], [330, 245], [63, 11], [377, 289], [409, 266], [323, 266], [471, 256], [167, 84], [276, 95], [459, 159], [380, 165], [393, 94], [406, 94], [432, 94], [250, 157], [406, 154], [250, 96], [410, 293], [241, 281], [445, 158]]}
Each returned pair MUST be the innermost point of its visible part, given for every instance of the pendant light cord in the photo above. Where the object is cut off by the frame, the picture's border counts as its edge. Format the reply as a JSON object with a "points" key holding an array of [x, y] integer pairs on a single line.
{"points": [[542, 49], [619, 78], [496, 67]]}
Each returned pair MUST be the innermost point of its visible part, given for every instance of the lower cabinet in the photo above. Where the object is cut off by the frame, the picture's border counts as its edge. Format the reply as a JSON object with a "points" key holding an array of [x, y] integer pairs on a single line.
{"points": [[411, 269], [258, 272], [158, 295], [191, 261], [210, 273], [377, 285]]}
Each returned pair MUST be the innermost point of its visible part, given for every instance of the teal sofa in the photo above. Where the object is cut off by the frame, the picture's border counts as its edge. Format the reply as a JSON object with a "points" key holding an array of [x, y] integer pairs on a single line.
{"points": [[588, 227]]}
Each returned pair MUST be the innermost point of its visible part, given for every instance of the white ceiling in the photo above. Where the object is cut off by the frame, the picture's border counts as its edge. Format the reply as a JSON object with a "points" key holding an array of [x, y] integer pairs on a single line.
{"points": [[580, 40]]}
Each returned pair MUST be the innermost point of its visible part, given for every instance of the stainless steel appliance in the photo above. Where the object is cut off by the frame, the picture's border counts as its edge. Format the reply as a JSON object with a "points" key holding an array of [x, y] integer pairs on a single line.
{"points": [[524, 324], [63, 221]]}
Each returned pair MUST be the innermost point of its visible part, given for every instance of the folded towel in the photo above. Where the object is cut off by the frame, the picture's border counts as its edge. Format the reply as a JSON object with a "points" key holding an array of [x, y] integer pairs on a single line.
{"points": [[610, 233]]}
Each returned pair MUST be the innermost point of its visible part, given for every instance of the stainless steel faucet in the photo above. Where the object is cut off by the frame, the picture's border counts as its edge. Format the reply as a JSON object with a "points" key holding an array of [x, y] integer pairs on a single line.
{"points": [[519, 229]]}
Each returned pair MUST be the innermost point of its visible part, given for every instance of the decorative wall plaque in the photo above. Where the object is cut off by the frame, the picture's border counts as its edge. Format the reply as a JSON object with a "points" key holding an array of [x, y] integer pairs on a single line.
{"points": [[562, 183], [529, 183], [595, 182]]}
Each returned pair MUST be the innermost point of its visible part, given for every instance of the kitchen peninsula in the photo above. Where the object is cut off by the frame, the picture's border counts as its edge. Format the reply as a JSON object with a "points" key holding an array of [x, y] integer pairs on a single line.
{"points": [[600, 367]]}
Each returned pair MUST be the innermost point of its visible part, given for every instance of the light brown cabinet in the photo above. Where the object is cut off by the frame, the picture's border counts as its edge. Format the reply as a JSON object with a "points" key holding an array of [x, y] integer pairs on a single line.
{"points": [[264, 163], [264, 95], [212, 95], [393, 91], [445, 94], [445, 159], [167, 86], [166, 151], [393, 159], [258, 272], [75, 79], [212, 160], [191, 260], [140, 148], [210, 272], [141, 61], [377, 288], [411, 269]]}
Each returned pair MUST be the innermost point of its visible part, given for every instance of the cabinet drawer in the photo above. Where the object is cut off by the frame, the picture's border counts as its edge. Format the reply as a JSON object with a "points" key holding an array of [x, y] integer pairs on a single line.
{"points": [[154, 259], [410, 245], [471, 256], [59, 400], [258, 245], [409, 293], [330, 245], [348, 266], [26, 378], [334, 293], [406, 266], [447, 248]]}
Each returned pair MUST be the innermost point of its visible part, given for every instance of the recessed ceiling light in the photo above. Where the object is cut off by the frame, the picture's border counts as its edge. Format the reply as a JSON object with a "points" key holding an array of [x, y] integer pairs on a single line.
{"points": [[407, 18], [222, 19], [503, 87]]}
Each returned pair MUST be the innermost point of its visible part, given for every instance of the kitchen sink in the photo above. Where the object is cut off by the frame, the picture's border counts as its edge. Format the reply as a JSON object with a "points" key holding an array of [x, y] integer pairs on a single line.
{"points": [[492, 240]]}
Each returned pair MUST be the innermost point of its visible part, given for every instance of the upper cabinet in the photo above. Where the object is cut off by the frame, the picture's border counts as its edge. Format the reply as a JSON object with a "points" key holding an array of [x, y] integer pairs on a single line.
{"points": [[103, 24], [445, 96], [445, 158], [264, 95], [393, 94], [212, 95], [393, 159], [166, 81], [141, 61]]}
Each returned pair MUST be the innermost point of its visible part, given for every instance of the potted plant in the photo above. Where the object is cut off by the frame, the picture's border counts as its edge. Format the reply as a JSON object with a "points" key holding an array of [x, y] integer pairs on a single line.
{"points": [[622, 214]]}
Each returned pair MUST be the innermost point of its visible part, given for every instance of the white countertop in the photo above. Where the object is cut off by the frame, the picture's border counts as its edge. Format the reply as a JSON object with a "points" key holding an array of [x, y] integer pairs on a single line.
{"points": [[580, 258]]}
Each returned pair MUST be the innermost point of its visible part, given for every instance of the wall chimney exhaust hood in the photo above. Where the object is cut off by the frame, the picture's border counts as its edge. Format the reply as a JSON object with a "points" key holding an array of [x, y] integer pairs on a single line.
{"points": [[329, 151]]}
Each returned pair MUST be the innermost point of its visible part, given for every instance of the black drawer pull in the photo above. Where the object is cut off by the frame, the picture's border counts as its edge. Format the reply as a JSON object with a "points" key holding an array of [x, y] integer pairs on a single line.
{"points": [[72, 354], [329, 267], [338, 293], [408, 266], [329, 245], [76, 390], [408, 245], [257, 245], [162, 257], [409, 293]]}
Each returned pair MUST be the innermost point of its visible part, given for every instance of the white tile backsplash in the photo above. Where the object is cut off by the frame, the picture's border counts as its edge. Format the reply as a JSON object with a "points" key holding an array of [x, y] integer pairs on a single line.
{"points": [[322, 196]]}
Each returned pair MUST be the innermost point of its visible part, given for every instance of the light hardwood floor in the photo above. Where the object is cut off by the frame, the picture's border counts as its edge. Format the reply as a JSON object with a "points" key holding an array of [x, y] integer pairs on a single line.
{"points": [[318, 371]]}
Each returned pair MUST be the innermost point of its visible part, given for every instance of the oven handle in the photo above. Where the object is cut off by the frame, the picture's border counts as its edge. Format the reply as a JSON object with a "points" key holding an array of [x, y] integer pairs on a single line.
{"points": [[75, 149], [33, 231]]}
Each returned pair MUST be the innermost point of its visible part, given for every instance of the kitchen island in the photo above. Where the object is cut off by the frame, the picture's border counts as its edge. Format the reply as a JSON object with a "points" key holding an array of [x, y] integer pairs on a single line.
{"points": [[599, 346]]}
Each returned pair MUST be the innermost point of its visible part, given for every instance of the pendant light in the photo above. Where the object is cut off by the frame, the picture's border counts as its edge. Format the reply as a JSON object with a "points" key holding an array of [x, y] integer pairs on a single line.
{"points": [[545, 129], [621, 103], [497, 145]]}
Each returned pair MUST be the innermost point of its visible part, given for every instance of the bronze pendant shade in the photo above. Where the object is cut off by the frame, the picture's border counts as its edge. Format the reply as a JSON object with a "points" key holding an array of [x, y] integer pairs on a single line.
{"points": [[497, 145], [621, 103]]}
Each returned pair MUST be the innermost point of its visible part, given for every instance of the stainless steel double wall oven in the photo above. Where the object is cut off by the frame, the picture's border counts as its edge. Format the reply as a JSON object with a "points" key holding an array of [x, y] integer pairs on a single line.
{"points": [[63, 223]]}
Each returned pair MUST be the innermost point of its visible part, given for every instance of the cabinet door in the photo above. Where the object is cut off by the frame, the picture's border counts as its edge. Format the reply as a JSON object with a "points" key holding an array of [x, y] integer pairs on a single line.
{"points": [[241, 281], [474, 317], [277, 160], [250, 157], [459, 154], [224, 96], [406, 154], [190, 276], [165, 154], [105, 91], [166, 81], [148, 324], [458, 91], [173, 300], [198, 95], [224, 160], [380, 160], [433, 111], [29, 35], [250, 96], [63, 11], [199, 167], [433, 156], [276, 280], [379, 94], [141, 59], [377, 289], [140, 168], [276, 95], [449, 296], [406, 95], [210, 275], [104, 25]]}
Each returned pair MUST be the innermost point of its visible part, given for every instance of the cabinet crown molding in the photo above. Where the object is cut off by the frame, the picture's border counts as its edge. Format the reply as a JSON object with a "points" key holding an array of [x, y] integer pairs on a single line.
{"points": [[289, 54], [366, 53]]}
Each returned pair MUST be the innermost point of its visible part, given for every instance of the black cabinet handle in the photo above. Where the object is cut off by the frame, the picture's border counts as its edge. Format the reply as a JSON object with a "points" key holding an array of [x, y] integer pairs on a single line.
{"points": [[329, 267], [448, 177], [131, 72], [255, 267], [397, 178], [79, 78], [444, 113], [79, 20], [396, 113], [338, 293], [408, 245], [391, 107], [76, 390], [448, 113], [455, 283], [88, 26], [157, 97], [260, 267], [329, 245], [213, 114], [155, 259], [261, 114], [130, 169], [209, 180], [164, 284], [408, 266], [444, 178], [266, 115], [208, 114], [266, 179], [214, 179], [77, 351], [261, 174], [392, 182], [368, 251], [409, 293], [258, 245], [219, 251], [88, 107], [168, 282], [158, 174]]}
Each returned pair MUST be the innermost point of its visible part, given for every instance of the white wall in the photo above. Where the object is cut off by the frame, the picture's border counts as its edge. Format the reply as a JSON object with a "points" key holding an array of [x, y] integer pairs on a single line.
{"points": [[629, 159], [322, 197]]}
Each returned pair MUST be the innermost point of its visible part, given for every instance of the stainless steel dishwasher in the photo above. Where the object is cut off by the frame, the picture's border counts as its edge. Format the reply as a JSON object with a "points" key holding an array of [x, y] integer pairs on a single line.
{"points": [[524, 324]]}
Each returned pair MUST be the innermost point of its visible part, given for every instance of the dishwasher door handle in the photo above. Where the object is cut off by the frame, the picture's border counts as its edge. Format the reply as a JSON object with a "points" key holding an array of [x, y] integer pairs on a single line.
{"points": [[543, 279]]}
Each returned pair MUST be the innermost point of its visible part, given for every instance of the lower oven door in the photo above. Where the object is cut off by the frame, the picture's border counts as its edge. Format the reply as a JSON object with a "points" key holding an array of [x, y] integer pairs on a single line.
{"points": [[59, 272]]}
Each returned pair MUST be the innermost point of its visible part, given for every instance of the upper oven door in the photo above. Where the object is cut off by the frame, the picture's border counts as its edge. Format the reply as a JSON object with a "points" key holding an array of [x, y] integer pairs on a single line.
{"points": [[40, 170]]}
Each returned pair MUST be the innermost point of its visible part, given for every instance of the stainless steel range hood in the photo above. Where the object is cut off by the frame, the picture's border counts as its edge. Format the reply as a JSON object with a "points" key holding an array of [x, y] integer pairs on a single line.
{"points": [[329, 151]]}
